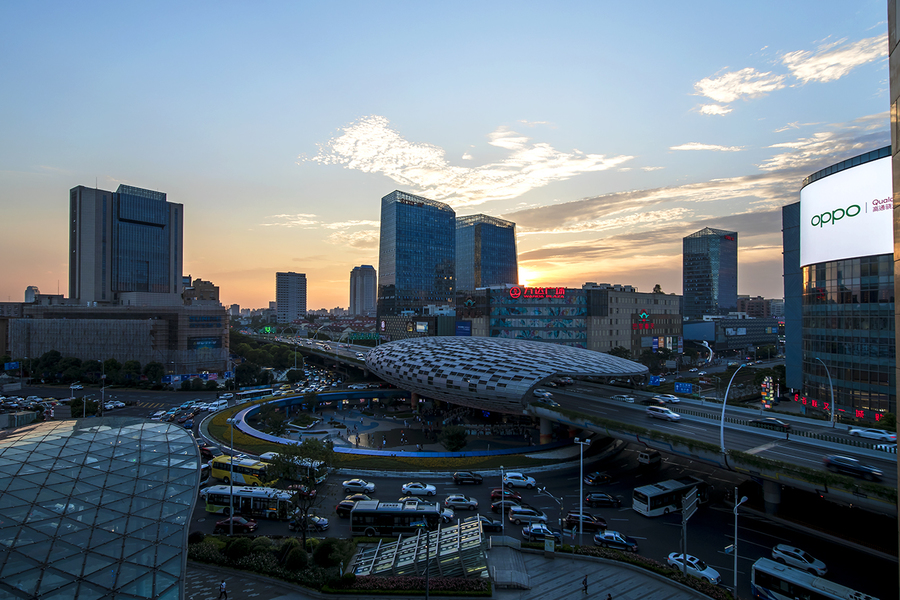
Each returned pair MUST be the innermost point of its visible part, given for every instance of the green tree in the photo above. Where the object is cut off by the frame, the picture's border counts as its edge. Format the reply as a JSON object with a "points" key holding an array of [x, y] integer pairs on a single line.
{"points": [[154, 371], [246, 374], [657, 289], [295, 375], [273, 419], [81, 408], [454, 438], [185, 385], [197, 384], [131, 372], [294, 464], [621, 352], [211, 386]]}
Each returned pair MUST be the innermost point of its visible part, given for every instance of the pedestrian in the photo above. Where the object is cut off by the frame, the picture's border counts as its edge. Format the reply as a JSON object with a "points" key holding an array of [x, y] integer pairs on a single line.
{"points": [[609, 597], [223, 593], [584, 583]]}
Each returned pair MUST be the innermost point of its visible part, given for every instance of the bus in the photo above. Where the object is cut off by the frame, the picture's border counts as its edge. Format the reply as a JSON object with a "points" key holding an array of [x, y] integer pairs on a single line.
{"points": [[770, 580], [372, 518], [665, 497], [315, 470], [248, 395], [247, 471], [258, 502]]}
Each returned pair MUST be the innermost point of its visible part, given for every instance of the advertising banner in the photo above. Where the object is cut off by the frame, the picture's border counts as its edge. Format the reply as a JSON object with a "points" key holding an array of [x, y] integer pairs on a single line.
{"points": [[464, 328]]}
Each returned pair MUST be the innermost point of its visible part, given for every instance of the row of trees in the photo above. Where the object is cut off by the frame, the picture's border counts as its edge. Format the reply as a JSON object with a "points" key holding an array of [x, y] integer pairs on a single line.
{"points": [[53, 367]]}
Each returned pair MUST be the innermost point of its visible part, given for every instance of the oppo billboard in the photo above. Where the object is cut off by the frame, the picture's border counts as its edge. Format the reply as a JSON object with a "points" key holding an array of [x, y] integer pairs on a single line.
{"points": [[848, 214]]}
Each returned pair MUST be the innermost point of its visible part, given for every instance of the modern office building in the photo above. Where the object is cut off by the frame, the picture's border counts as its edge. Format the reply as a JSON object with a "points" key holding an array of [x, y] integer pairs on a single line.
{"points": [[485, 252], [839, 288], [290, 297], [363, 290], [709, 274], [417, 255], [124, 245]]}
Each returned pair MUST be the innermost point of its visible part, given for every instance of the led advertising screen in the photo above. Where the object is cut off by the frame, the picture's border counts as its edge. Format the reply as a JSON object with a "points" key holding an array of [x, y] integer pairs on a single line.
{"points": [[848, 214]]}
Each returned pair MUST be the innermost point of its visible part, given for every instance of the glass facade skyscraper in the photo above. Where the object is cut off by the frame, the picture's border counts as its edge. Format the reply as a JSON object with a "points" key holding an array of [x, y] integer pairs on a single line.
{"points": [[485, 252], [290, 296], [417, 254], [363, 286], [709, 275]]}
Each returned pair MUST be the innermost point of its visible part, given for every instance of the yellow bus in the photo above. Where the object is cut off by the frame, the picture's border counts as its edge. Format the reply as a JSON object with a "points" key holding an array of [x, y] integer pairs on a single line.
{"points": [[247, 471]]}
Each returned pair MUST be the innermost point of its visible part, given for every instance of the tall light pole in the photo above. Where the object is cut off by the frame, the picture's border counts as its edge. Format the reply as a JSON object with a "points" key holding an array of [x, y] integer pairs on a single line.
{"points": [[744, 499], [502, 504], [231, 482], [724, 404], [581, 444], [831, 386]]}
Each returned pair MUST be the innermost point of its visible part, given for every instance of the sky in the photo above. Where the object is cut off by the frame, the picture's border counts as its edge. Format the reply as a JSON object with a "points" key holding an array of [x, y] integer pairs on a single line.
{"points": [[607, 131]]}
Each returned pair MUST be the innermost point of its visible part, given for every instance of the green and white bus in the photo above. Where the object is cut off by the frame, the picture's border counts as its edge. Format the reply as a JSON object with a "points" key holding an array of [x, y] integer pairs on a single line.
{"points": [[258, 502], [372, 518]]}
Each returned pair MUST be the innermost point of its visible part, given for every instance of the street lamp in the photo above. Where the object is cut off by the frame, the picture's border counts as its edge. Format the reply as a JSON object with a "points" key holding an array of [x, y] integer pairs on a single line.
{"points": [[502, 504], [582, 444], [231, 482], [831, 386], [735, 547], [724, 404]]}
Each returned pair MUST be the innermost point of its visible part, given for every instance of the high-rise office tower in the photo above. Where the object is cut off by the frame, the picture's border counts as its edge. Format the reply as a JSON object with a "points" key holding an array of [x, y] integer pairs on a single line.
{"points": [[417, 254], [485, 252], [121, 242], [709, 273], [363, 286], [290, 296]]}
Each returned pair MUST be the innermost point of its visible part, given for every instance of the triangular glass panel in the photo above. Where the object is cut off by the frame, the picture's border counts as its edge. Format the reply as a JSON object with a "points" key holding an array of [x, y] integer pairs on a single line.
{"points": [[167, 587], [96, 563], [82, 591], [113, 549], [151, 510], [145, 557], [28, 536], [113, 498], [53, 580], [129, 573], [171, 566], [149, 533], [142, 587], [16, 565]]}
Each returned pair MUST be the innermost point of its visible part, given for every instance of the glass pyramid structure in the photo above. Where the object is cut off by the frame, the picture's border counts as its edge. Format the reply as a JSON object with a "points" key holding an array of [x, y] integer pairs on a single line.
{"points": [[96, 508]]}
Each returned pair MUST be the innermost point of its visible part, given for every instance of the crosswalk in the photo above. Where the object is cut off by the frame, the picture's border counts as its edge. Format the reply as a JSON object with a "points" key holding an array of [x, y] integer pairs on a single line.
{"points": [[152, 405]]}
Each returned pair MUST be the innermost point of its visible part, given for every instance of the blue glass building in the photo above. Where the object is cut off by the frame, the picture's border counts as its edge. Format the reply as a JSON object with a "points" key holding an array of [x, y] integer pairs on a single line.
{"points": [[485, 252], [417, 255], [709, 275]]}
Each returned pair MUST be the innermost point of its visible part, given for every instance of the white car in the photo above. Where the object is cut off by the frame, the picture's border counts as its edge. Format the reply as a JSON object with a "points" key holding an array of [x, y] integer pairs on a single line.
{"points": [[875, 434], [447, 515], [518, 480], [460, 501], [795, 557], [623, 398], [417, 488], [542, 393], [661, 412], [695, 567], [358, 485], [201, 406], [693, 370], [667, 398]]}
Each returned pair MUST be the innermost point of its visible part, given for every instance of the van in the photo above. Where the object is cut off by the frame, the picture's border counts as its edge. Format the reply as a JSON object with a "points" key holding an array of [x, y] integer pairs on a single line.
{"points": [[661, 412], [158, 415], [650, 458], [217, 405]]}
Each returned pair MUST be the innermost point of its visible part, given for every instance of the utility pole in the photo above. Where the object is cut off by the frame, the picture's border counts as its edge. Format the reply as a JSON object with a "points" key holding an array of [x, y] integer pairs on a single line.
{"points": [[688, 508]]}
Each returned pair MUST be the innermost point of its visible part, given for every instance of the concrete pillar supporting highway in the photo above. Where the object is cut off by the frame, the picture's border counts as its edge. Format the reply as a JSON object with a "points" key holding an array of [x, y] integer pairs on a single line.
{"points": [[414, 401], [771, 496], [546, 431]]}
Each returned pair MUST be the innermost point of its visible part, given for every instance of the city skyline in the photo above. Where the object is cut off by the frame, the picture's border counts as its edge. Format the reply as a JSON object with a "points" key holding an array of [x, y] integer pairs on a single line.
{"points": [[597, 130]]}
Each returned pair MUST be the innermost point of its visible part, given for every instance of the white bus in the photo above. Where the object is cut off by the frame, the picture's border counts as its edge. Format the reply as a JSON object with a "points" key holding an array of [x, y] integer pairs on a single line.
{"points": [[259, 502], [664, 497], [249, 395], [772, 581], [372, 518]]}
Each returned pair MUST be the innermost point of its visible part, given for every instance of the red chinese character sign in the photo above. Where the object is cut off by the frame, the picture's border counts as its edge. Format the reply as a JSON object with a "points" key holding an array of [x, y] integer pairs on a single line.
{"points": [[517, 292], [643, 321]]}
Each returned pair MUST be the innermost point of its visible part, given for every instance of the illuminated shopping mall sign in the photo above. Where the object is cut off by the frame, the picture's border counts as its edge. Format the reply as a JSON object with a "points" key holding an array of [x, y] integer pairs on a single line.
{"points": [[517, 292], [643, 321]]}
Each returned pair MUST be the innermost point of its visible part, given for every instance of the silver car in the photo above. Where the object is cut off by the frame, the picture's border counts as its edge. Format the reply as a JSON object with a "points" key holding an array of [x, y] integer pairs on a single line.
{"points": [[522, 514]]}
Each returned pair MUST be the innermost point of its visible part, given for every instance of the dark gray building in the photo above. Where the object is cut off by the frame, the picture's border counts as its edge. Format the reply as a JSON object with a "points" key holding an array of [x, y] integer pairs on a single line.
{"points": [[290, 296], [485, 252], [363, 290], [709, 274], [124, 244]]}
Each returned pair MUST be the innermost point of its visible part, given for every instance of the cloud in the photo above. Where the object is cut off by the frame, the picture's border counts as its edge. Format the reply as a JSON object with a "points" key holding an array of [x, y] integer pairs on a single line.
{"points": [[714, 109], [747, 82], [467, 156], [832, 61], [371, 146], [533, 123], [299, 220], [366, 240], [651, 168], [699, 146]]}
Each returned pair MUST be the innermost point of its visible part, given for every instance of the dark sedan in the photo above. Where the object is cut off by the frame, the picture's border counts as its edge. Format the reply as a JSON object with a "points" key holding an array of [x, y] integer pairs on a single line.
{"points": [[487, 525], [507, 504], [344, 507], [241, 525], [771, 423], [467, 477], [597, 478], [497, 493], [596, 499], [851, 466]]}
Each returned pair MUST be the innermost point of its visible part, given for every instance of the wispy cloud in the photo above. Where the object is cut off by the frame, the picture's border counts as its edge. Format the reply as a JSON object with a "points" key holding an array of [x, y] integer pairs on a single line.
{"points": [[371, 146], [699, 146], [746, 83], [833, 61], [714, 109], [303, 220], [367, 239], [467, 156], [651, 168]]}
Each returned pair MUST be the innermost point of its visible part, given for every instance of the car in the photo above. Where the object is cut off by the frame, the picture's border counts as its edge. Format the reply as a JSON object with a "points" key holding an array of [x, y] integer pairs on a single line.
{"points": [[518, 480], [224, 397], [597, 478], [693, 370], [210, 452], [303, 491], [668, 398], [526, 514], [614, 539], [771, 423], [313, 523], [506, 505], [597, 499], [539, 531], [542, 393], [487, 525], [661, 412], [241, 525], [417, 488], [76, 386], [498, 493], [189, 424], [875, 434], [344, 507], [447, 514], [358, 497], [577, 519], [202, 406], [652, 402], [460, 501], [623, 398], [564, 381], [795, 557], [695, 567], [358, 485], [461, 477], [851, 466]]}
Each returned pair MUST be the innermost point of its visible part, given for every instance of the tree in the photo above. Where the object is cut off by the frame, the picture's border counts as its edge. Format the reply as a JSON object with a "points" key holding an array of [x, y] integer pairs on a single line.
{"points": [[454, 438], [295, 375], [79, 409], [273, 419], [154, 371], [657, 289], [197, 384], [211, 386], [620, 351]]}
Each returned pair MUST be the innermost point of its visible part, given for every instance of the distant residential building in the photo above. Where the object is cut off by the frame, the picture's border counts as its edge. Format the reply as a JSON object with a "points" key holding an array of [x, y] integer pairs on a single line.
{"points": [[776, 308], [234, 310], [485, 252], [363, 290], [709, 273], [30, 292], [124, 245], [200, 291], [756, 308], [290, 296]]}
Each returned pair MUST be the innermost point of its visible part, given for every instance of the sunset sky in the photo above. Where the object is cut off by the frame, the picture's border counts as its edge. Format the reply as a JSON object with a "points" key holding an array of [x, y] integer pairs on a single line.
{"points": [[606, 131]]}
